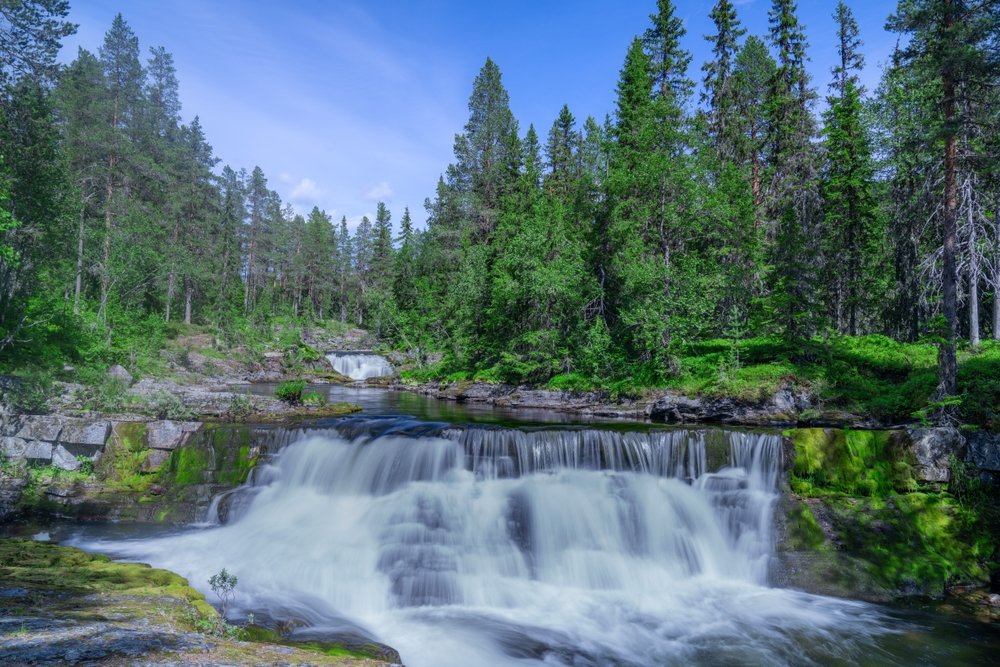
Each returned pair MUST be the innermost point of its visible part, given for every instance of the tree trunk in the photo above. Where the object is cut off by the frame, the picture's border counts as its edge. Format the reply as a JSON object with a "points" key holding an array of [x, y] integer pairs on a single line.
{"points": [[79, 267], [974, 307], [949, 276], [188, 294]]}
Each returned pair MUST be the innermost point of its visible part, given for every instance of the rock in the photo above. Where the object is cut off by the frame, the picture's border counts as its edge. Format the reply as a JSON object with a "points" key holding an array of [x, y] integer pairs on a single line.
{"points": [[60, 492], [84, 432], [63, 459], [993, 600], [10, 494], [38, 452], [41, 427], [154, 461], [10, 424], [13, 448], [273, 355], [932, 449], [120, 373], [156, 490], [169, 434], [984, 451]]}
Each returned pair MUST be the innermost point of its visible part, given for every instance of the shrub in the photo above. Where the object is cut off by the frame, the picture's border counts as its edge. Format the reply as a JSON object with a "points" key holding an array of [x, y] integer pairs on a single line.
{"points": [[241, 406], [290, 391], [314, 399], [108, 395], [164, 405], [29, 395]]}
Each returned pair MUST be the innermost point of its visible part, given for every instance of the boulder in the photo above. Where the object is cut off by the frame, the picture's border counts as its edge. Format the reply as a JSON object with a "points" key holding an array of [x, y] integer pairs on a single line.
{"points": [[155, 460], [13, 448], [85, 432], [63, 459], [38, 452], [41, 427], [932, 449], [169, 434], [120, 373], [10, 493], [984, 451], [10, 424]]}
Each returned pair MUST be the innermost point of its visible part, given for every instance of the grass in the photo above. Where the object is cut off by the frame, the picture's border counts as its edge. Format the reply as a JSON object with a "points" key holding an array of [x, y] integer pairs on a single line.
{"points": [[865, 375]]}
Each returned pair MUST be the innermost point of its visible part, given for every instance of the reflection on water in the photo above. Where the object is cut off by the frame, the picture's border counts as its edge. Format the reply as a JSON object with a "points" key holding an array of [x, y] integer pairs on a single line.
{"points": [[374, 400]]}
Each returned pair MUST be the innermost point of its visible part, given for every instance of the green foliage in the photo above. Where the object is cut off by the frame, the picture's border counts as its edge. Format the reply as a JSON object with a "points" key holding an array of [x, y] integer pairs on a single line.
{"points": [[86, 465], [241, 407], [165, 405], [29, 393], [290, 391], [863, 463], [314, 399], [107, 394]]}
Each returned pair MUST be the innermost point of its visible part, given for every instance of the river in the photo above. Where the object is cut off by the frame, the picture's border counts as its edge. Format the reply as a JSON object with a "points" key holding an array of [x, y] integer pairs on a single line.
{"points": [[481, 536]]}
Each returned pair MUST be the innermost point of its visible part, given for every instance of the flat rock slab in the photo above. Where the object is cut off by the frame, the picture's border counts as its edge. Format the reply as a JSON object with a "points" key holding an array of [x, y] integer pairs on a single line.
{"points": [[85, 432], [41, 427], [19, 449]]}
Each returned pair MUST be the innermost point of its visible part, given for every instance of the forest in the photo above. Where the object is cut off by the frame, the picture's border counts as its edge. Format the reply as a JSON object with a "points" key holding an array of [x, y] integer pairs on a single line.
{"points": [[732, 225]]}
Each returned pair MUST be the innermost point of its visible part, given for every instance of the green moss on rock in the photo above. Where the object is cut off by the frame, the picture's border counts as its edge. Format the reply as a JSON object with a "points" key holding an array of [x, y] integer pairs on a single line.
{"points": [[863, 463]]}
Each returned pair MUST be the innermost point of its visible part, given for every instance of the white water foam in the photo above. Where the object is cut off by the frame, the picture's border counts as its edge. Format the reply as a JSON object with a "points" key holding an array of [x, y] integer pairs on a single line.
{"points": [[360, 366], [499, 547]]}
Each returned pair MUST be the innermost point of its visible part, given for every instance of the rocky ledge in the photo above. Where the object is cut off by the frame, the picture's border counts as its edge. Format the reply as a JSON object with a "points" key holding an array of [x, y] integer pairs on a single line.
{"points": [[60, 605], [787, 407]]}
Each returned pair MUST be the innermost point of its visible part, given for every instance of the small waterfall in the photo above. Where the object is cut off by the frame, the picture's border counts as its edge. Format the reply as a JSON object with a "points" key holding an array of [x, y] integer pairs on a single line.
{"points": [[359, 366], [501, 546]]}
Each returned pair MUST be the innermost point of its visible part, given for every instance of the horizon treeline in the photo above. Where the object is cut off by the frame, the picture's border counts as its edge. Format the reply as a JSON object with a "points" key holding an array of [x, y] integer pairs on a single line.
{"points": [[769, 204]]}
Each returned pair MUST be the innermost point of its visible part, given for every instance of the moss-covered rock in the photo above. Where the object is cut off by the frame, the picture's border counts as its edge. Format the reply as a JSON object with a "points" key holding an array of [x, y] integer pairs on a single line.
{"points": [[862, 463]]}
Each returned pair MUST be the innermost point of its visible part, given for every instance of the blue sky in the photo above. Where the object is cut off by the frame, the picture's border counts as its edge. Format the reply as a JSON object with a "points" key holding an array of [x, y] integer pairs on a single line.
{"points": [[346, 103]]}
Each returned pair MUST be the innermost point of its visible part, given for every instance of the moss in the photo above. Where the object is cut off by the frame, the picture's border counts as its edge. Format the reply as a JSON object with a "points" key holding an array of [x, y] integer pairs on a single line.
{"points": [[804, 532], [186, 466], [865, 463], [46, 566]]}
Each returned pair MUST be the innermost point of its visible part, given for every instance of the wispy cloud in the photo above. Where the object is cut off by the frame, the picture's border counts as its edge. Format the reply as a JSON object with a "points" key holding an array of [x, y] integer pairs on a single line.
{"points": [[380, 192]]}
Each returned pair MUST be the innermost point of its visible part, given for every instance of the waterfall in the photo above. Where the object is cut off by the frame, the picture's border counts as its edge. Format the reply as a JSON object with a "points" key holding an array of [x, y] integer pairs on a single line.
{"points": [[502, 546], [359, 366]]}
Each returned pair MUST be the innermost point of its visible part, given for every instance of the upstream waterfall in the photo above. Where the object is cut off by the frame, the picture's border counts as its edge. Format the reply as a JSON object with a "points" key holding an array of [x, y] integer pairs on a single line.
{"points": [[360, 366], [501, 547]]}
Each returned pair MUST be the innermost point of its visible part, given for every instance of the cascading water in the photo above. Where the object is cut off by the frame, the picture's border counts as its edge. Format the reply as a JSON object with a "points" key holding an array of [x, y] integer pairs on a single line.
{"points": [[359, 366], [497, 546]]}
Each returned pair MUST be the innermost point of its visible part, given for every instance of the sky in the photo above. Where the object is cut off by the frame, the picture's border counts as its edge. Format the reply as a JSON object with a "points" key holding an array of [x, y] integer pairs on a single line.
{"points": [[344, 104]]}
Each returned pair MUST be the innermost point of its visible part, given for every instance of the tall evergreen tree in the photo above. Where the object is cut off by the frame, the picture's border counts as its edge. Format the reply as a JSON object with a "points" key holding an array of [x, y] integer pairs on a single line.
{"points": [[719, 90]]}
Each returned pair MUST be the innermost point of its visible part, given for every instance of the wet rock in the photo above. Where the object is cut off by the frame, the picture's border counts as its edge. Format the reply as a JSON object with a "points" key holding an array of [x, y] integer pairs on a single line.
{"points": [[63, 459], [984, 451], [120, 373], [85, 432], [170, 434], [10, 494], [41, 427], [932, 449], [154, 461], [60, 492]]}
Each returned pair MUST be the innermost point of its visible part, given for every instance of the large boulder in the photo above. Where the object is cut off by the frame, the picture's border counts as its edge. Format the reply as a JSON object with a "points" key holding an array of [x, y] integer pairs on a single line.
{"points": [[117, 371], [64, 459], [41, 427], [932, 449], [85, 432], [984, 451], [170, 434]]}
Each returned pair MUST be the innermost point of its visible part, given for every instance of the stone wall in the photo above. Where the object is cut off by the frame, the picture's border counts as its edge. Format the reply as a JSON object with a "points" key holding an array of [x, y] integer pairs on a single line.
{"points": [[53, 440]]}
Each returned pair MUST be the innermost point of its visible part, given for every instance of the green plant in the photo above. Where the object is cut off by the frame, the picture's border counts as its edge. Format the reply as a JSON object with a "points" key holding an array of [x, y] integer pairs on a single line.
{"points": [[30, 394], [107, 395], [223, 585], [241, 406], [314, 399], [86, 465], [290, 391], [165, 405]]}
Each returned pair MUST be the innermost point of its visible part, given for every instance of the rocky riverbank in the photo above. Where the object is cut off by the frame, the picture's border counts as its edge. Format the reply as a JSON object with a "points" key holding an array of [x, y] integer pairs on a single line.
{"points": [[890, 515], [60, 605]]}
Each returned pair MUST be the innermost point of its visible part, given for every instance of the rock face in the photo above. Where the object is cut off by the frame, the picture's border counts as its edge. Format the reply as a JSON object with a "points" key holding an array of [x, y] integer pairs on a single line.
{"points": [[169, 434], [932, 448], [53, 440], [984, 451]]}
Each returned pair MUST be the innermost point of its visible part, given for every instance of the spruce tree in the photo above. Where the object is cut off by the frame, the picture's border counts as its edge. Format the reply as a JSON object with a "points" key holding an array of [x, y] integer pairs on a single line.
{"points": [[719, 90], [952, 46]]}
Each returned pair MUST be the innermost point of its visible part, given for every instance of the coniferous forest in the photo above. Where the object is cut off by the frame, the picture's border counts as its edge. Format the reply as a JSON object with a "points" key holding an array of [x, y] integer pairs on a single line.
{"points": [[733, 223]]}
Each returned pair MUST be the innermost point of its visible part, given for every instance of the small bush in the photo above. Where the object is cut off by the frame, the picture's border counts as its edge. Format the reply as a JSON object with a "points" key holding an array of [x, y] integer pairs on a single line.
{"points": [[290, 391], [108, 395], [86, 465], [29, 396], [164, 405], [241, 406], [314, 399]]}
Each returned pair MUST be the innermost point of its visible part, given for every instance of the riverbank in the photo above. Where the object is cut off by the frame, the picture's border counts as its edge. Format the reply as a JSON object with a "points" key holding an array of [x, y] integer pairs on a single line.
{"points": [[60, 605]]}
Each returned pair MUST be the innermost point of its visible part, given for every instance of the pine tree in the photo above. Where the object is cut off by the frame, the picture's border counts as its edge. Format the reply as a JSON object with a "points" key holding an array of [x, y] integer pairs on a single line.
{"points": [[719, 90], [481, 173], [794, 203], [953, 44], [30, 34], [755, 69], [851, 211], [668, 61], [560, 153]]}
